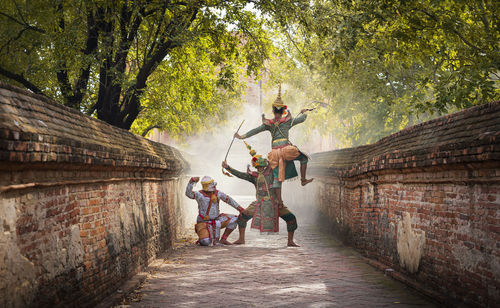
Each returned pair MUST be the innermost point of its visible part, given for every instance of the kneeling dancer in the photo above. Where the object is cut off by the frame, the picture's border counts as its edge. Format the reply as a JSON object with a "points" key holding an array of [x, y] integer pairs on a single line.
{"points": [[209, 220], [267, 207]]}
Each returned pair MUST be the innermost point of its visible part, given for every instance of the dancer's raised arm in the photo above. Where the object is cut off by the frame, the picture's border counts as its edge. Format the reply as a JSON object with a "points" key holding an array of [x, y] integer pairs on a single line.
{"points": [[299, 119], [189, 188], [251, 132], [242, 175]]}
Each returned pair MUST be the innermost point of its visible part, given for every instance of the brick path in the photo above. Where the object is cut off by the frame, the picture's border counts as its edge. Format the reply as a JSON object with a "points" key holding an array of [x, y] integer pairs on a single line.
{"points": [[265, 273]]}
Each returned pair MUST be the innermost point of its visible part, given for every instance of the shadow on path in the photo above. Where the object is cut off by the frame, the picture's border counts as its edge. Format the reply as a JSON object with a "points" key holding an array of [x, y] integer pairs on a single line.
{"points": [[266, 273]]}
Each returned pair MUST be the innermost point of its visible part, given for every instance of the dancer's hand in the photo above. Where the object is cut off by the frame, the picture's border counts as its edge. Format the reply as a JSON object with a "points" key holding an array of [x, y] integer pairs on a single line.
{"points": [[194, 179], [237, 136], [225, 165], [306, 110], [240, 209]]}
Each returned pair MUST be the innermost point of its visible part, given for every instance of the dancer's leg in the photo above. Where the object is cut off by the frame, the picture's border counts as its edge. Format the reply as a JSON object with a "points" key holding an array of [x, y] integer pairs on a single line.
{"points": [[243, 218], [303, 169], [241, 239], [291, 224], [291, 243], [223, 239]]}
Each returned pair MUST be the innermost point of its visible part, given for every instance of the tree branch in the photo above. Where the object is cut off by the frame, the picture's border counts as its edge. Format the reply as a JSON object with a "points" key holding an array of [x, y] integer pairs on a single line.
{"points": [[163, 48], [465, 40], [450, 27], [30, 27], [127, 37], [391, 84], [131, 99], [484, 18], [14, 38], [90, 47], [147, 129], [19, 78], [62, 71], [105, 99], [157, 34]]}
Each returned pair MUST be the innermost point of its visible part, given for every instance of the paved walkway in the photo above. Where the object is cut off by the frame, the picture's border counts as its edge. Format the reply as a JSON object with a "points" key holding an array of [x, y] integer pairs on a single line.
{"points": [[265, 273]]}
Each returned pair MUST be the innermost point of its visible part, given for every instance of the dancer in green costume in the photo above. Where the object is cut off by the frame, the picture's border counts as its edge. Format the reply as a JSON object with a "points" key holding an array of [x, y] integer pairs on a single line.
{"points": [[266, 209], [283, 151]]}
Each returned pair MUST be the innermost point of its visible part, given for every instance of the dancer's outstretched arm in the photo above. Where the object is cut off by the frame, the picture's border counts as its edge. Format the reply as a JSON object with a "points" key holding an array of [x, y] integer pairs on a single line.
{"points": [[222, 196], [251, 132], [242, 175], [299, 119]]}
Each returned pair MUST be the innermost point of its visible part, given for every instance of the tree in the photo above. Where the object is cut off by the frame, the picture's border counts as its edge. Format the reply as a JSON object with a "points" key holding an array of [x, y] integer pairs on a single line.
{"points": [[187, 89], [382, 65], [98, 56]]}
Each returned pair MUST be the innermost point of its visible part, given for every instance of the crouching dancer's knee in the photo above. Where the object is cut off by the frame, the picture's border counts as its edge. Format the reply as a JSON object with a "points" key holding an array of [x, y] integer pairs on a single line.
{"points": [[291, 222], [232, 223], [203, 233], [204, 241]]}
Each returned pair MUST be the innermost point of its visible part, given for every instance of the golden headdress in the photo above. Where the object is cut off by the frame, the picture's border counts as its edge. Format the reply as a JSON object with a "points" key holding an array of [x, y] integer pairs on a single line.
{"points": [[257, 160], [208, 184], [278, 102]]}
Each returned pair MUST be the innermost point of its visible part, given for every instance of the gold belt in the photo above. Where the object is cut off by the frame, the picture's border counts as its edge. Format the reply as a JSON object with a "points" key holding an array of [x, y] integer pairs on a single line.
{"points": [[281, 139]]}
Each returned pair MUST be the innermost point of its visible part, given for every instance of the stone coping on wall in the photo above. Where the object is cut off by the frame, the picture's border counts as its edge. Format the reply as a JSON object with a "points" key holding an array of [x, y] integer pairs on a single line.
{"points": [[468, 136], [35, 130]]}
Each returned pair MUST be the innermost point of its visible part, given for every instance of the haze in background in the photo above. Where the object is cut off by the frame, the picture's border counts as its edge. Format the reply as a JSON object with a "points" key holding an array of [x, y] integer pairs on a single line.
{"points": [[206, 151]]}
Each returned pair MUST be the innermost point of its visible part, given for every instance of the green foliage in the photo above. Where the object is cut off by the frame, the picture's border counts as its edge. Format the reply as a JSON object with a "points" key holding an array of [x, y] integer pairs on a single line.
{"points": [[202, 80], [383, 65], [376, 66], [191, 90], [104, 56]]}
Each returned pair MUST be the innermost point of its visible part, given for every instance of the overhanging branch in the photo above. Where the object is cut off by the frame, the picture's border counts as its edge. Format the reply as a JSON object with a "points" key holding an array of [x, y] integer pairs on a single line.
{"points": [[147, 129], [19, 78], [28, 26]]}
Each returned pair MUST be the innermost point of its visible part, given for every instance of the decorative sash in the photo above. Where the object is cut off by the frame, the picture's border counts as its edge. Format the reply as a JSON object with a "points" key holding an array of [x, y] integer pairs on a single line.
{"points": [[213, 199], [279, 156], [265, 216], [266, 213]]}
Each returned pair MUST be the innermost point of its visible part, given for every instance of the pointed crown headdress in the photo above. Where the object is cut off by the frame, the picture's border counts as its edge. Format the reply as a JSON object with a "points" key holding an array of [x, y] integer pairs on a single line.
{"points": [[278, 102], [257, 160]]}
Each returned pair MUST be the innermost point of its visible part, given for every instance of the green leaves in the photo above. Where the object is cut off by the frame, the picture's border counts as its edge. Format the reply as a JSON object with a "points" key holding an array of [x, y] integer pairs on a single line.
{"points": [[378, 66], [103, 57], [383, 65], [202, 81]]}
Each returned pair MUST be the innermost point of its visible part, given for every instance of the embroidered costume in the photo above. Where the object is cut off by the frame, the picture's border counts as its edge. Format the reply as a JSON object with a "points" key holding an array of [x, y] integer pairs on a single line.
{"points": [[283, 151], [265, 209], [209, 220]]}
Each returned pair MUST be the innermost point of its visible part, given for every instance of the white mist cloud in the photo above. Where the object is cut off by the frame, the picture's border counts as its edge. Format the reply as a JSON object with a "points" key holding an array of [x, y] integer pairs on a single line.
{"points": [[206, 151]]}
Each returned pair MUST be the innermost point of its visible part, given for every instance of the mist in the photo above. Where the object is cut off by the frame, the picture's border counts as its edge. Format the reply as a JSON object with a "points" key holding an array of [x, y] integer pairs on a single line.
{"points": [[206, 151]]}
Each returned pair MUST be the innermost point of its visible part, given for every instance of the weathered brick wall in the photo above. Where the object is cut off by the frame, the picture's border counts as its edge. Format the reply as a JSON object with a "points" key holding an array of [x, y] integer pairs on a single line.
{"points": [[83, 205], [424, 201]]}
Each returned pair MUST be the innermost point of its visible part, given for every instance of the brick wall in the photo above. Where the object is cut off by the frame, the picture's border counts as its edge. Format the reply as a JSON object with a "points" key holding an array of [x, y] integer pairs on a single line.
{"points": [[83, 205], [425, 202]]}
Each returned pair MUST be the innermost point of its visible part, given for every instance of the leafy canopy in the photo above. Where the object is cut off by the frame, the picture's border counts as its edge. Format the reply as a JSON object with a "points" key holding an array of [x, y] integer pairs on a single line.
{"points": [[379, 66], [375, 66], [168, 63]]}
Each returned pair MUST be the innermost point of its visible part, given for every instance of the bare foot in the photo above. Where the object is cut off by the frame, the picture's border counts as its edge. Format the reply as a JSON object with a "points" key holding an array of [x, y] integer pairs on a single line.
{"points": [[292, 244], [304, 182], [239, 242], [225, 242]]}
